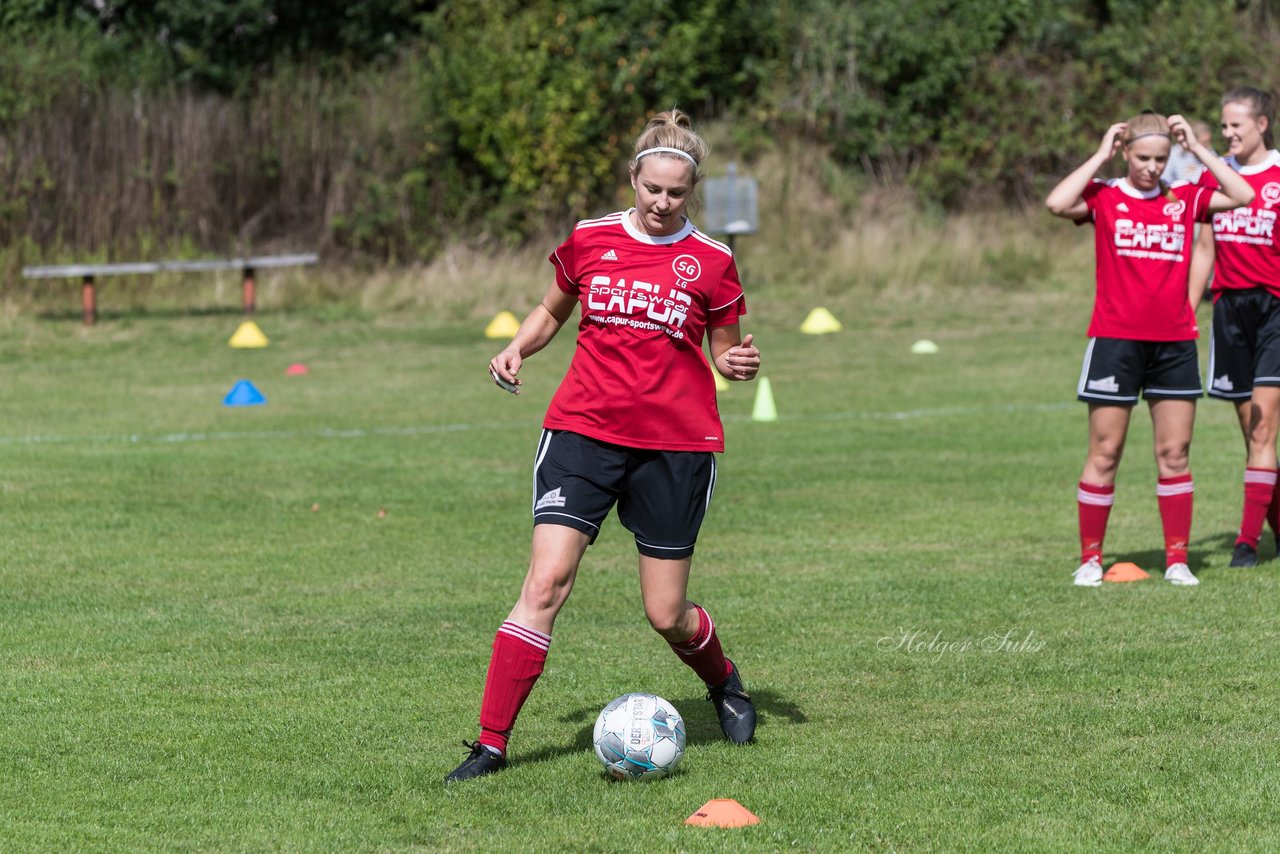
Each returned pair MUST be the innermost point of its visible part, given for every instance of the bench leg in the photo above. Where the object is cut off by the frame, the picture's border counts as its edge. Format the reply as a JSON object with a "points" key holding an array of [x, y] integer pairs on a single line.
{"points": [[88, 301], [250, 291]]}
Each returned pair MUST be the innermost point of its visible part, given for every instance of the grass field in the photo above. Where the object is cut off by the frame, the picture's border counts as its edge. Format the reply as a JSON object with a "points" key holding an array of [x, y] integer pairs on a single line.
{"points": [[212, 638]]}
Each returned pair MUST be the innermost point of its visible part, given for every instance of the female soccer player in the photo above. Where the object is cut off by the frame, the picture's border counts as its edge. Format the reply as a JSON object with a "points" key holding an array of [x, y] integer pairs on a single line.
{"points": [[1142, 334], [633, 423], [1244, 348]]}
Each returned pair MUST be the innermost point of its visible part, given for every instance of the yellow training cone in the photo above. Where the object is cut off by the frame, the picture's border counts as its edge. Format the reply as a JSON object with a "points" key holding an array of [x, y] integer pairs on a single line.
{"points": [[819, 322], [764, 410], [924, 347], [248, 336], [503, 325], [721, 383]]}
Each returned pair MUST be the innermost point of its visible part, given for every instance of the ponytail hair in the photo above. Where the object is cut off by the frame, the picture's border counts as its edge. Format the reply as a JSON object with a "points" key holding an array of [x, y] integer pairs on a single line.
{"points": [[670, 134], [1260, 104], [1146, 123]]}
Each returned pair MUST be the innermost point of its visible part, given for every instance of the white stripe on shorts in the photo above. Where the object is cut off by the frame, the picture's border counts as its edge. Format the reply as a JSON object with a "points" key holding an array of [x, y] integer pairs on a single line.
{"points": [[711, 485], [542, 513], [1175, 392], [544, 445], [1084, 369], [641, 542]]}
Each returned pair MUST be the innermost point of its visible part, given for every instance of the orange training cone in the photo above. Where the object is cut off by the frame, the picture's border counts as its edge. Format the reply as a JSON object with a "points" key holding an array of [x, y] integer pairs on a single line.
{"points": [[1121, 572], [722, 812]]}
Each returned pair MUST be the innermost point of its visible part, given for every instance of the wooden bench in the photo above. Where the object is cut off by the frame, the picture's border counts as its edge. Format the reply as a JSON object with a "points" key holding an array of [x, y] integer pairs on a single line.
{"points": [[88, 272]]}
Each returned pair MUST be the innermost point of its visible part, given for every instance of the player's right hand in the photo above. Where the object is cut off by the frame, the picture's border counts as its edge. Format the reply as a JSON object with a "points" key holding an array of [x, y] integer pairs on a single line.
{"points": [[503, 368], [1113, 139]]}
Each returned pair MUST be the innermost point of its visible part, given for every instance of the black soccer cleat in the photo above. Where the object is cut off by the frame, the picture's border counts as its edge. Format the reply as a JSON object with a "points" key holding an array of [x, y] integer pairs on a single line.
{"points": [[734, 709], [482, 761], [1244, 555]]}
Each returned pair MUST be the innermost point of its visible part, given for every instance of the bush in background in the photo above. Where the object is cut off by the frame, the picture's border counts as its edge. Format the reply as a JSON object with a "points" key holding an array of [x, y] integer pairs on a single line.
{"points": [[387, 130]]}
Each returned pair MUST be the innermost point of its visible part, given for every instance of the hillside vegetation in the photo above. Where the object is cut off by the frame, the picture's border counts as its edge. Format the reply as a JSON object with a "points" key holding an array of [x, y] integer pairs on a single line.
{"points": [[392, 132]]}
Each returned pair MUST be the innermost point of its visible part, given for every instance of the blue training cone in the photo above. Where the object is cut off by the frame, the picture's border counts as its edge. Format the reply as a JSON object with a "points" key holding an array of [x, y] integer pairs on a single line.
{"points": [[243, 393]]}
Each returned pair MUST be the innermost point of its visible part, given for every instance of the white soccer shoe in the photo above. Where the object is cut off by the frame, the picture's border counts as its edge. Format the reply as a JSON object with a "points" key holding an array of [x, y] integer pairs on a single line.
{"points": [[1090, 574], [1180, 573]]}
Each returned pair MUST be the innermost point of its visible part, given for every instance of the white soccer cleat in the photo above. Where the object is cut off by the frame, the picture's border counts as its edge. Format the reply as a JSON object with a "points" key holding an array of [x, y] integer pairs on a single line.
{"points": [[1089, 574], [1180, 573]]}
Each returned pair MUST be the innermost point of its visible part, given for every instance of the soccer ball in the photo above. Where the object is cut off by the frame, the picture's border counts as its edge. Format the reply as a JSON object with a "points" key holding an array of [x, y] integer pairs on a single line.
{"points": [[639, 737]]}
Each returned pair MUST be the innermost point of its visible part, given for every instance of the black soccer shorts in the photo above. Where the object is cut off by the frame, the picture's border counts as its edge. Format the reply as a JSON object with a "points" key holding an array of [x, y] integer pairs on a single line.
{"points": [[1117, 369], [1244, 345], [662, 496]]}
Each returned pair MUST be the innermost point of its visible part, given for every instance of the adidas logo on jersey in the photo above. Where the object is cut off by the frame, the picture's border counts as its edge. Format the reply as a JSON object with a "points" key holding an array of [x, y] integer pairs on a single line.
{"points": [[1223, 383], [551, 499], [1104, 384], [1122, 207], [609, 256]]}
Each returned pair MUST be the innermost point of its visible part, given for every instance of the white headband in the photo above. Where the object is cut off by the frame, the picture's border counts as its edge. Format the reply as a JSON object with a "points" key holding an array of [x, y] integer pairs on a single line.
{"points": [[1134, 139], [664, 150]]}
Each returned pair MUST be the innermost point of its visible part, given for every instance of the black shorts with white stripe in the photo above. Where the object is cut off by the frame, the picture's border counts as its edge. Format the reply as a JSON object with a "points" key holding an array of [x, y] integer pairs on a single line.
{"points": [[662, 496], [1244, 346], [1116, 370]]}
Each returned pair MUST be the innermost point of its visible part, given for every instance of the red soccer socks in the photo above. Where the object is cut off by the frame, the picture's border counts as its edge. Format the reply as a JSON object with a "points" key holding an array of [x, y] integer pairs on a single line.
{"points": [[519, 654], [702, 651], [1176, 495], [1259, 491], [1093, 501]]}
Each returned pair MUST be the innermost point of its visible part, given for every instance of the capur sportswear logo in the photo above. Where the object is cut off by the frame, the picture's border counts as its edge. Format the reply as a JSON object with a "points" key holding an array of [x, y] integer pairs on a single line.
{"points": [[1104, 384], [550, 499]]}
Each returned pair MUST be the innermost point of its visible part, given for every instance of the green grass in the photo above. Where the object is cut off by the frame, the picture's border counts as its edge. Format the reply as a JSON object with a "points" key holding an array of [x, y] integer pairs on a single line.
{"points": [[210, 638]]}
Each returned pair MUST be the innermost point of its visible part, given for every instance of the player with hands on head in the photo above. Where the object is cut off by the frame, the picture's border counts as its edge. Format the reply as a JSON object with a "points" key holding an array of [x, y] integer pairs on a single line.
{"points": [[634, 423], [1143, 329], [1243, 255]]}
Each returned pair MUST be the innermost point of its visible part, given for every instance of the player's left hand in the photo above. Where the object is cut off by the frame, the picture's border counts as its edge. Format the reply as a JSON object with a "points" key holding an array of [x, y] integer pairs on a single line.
{"points": [[1180, 130], [742, 361]]}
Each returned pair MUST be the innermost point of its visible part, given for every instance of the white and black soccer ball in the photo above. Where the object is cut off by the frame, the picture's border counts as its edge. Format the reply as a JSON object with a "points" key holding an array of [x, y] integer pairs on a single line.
{"points": [[639, 737]]}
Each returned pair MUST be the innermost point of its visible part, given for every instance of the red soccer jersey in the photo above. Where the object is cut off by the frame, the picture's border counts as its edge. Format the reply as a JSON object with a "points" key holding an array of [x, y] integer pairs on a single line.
{"points": [[638, 376], [1247, 255], [1144, 257]]}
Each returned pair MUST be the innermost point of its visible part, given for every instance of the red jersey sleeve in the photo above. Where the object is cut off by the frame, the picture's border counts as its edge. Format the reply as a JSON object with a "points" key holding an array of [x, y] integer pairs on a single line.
{"points": [[564, 259], [1090, 197], [727, 302], [1197, 197]]}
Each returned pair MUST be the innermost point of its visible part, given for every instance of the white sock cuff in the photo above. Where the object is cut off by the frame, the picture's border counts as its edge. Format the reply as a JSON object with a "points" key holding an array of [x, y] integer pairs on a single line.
{"points": [[533, 637], [1186, 487]]}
